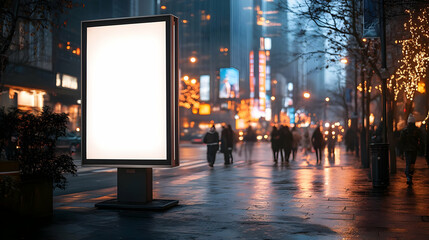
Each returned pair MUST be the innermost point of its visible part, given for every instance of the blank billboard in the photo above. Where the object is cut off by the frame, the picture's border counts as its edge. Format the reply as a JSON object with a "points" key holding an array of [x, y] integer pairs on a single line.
{"points": [[129, 92]]}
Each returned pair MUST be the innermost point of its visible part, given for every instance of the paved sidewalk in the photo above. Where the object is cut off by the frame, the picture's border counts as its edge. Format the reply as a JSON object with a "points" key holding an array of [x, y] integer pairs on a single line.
{"points": [[256, 199]]}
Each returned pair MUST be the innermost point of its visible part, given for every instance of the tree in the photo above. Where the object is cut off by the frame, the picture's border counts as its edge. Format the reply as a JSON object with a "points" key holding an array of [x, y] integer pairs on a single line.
{"points": [[189, 94], [340, 23], [20, 23], [415, 57]]}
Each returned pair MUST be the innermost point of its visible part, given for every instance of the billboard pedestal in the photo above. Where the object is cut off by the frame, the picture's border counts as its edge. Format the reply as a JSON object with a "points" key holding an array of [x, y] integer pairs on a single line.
{"points": [[135, 192]]}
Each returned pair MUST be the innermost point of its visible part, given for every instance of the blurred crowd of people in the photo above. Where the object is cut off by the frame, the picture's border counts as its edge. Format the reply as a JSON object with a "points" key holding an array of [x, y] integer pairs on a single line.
{"points": [[285, 143]]}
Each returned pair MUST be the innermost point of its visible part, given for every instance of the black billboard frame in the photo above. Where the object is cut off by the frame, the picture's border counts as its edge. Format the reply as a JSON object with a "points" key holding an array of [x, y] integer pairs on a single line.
{"points": [[172, 78]]}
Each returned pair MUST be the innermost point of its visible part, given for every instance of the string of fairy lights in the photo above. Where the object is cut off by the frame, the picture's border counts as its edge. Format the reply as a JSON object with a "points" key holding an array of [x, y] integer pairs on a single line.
{"points": [[409, 77], [411, 73]]}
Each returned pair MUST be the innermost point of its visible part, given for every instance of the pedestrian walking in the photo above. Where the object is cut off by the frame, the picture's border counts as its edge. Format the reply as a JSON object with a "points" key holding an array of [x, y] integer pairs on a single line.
{"points": [[275, 143], [427, 144], [286, 140], [295, 142], [212, 140], [332, 140], [318, 142], [306, 143], [350, 138], [224, 144], [410, 141], [249, 140], [230, 143]]}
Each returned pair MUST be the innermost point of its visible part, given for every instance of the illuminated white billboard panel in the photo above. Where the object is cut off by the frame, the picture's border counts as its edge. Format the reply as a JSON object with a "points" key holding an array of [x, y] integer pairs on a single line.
{"points": [[205, 87], [126, 88], [229, 83], [128, 103]]}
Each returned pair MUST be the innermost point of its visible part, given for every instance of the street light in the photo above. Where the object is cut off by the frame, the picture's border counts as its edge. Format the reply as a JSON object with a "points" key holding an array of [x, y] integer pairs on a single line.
{"points": [[306, 95], [327, 99], [193, 59], [344, 60]]}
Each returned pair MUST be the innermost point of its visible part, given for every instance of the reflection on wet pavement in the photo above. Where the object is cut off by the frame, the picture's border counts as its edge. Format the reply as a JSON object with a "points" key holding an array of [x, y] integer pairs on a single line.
{"points": [[259, 199]]}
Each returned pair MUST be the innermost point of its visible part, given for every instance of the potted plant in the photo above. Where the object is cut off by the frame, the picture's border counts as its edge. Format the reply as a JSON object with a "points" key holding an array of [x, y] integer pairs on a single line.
{"points": [[29, 140]]}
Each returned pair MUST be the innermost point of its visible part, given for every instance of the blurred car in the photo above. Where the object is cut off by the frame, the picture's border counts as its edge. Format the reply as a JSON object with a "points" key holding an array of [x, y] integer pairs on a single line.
{"points": [[70, 143], [197, 139]]}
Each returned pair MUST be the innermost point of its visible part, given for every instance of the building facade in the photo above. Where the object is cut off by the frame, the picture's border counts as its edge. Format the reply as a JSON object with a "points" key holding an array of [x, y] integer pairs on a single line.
{"points": [[51, 74]]}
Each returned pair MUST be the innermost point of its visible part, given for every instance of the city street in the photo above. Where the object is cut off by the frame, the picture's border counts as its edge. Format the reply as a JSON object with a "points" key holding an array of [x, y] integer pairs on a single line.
{"points": [[254, 199]]}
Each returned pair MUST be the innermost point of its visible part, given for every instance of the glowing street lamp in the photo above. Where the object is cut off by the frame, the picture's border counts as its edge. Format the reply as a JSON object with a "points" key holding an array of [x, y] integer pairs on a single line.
{"points": [[344, 60], [193, 59], [306, 95]]}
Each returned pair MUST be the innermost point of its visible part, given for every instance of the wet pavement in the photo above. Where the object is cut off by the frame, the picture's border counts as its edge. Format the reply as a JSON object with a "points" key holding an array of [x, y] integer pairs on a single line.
{"points": [[255, 199]]}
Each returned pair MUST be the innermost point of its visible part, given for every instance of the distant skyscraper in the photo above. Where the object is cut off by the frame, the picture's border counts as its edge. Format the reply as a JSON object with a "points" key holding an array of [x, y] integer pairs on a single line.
{"points": [[52, 77], [213, 35]]}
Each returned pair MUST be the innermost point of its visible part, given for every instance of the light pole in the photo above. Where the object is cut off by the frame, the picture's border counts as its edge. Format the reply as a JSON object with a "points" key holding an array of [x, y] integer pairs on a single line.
{"points": [[306, 95], [325, 108]]}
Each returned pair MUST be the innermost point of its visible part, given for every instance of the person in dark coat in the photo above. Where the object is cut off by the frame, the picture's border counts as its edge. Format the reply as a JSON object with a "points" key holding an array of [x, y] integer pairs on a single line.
{"points": [[230, 143], [411, 140], [296, 142], [249, 140], [318, 142], [224, 144], [286, 139], [212, 140], [332, 140], [350, 138], [427, 144], [275, 143]]}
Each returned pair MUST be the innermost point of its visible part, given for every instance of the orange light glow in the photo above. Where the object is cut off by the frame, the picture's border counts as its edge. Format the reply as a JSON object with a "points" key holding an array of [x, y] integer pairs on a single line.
{"points": [[193, 81], [78, 51], [193, 59], [205, 109], [344, 60], [186, 78], [306, 95], [184, 21], [421, 87], [163, 7], [327, 99], [68, 47], [364, 40], [68, 43]]}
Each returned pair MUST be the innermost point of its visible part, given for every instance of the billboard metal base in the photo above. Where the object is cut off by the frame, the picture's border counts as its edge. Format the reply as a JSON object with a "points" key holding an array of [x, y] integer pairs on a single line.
{"points": [[154, 205], [135, 192]]}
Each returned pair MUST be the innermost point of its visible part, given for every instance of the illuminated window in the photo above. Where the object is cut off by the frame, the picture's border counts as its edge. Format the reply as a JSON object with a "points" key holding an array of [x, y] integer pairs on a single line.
{"points": [[69, 81], [31, 98], [58, 80]]}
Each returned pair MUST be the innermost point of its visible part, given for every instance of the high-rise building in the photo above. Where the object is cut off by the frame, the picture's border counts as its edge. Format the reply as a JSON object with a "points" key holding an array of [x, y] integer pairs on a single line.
{"points": [[213, 35], [215, 39], [52, 75]]}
